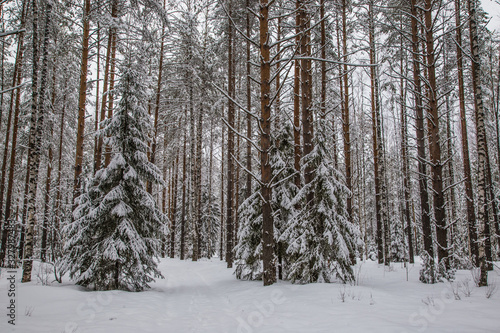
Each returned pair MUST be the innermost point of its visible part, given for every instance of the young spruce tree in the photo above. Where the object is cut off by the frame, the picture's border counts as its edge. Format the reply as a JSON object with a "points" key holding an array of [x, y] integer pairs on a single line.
{"points": [[320, 237], [113, 241]]}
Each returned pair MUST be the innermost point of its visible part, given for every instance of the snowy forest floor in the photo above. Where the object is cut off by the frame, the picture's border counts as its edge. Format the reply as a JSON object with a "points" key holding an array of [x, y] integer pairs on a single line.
{"points": [[204, 296]]}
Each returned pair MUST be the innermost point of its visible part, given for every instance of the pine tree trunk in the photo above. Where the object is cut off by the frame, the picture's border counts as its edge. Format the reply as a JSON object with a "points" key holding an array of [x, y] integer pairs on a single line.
{"points": [[192, 160], [112, 72], [296, 104], [404, 158], [199, 136], [174, 206], [230, 147], [323, 56], [183, 209], [269, 273], [482, 147], [306, 87], [35, 138], [345, 115], [16, 81], [434, 141], [104, 102], [210, 174], [81, 101], [471, 215], [157, 105], [222, 171], [97, 91], [48, 178], [58, 204], [420, 138], [249, 107], [377, 146]]}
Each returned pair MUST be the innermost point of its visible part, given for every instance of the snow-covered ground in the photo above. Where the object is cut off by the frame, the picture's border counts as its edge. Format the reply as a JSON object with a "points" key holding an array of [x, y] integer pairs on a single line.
{"points": [[206, 297]]}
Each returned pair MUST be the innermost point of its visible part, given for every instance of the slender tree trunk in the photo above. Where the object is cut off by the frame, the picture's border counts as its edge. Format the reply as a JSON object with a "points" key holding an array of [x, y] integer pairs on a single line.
{"points": [[404, 158], [36, 130], [377, 145], [345, 116], [164, 194], [269, 274], [420, 135], [104, 102], [434, 140], [471, 215], [48, 178], [157, 106], [237, 182], [192, 160], [323, 56], [114, 41], [22, 236], [222, 171], [81, 101], [306, 87], [482, 147], [249, 106], [17, 79], [230, 148], [199, 136], [58, 204], [97, 91], [210, 174], [183, 209], [296, 104]]}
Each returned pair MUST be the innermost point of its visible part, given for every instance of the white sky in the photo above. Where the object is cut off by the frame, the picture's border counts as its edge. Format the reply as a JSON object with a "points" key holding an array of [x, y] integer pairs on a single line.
{"points": [[493, 8]]}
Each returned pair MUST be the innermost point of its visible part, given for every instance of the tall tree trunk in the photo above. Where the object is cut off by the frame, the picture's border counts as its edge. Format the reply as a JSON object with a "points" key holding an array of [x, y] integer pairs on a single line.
{"points": [[230, 147], [249, 106], [482, 147], [222, 171], [471, 215], [406, 182], [112, 73], [345, 116], [198, 226], [306, 87], [210, 174], [97, 91], [35, 139], [420, 135], [17, 79], [82, 97], [434, 140], [382, 247], [174, 206], [322, 105], [192, 160], [157, 105], [58, 200], [297, 153], [404, 158], [104, 101], [48, 178], [269, 273], [183, 209]]}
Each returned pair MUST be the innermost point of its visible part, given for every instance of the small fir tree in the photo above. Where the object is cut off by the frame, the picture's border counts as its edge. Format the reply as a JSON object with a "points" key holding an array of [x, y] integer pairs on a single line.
{"points": [[321, 237], [114, 239], [248, 251]]}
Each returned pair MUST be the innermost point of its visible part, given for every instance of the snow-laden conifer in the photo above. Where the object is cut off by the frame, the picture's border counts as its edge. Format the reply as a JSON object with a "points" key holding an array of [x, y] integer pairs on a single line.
{"points": [[113, 241], [284, 190], [320, 237], [248, 250]]}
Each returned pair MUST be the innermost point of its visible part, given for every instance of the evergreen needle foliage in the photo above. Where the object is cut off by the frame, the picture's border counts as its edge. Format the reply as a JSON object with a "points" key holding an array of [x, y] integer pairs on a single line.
{"points": [[113, 240]]}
